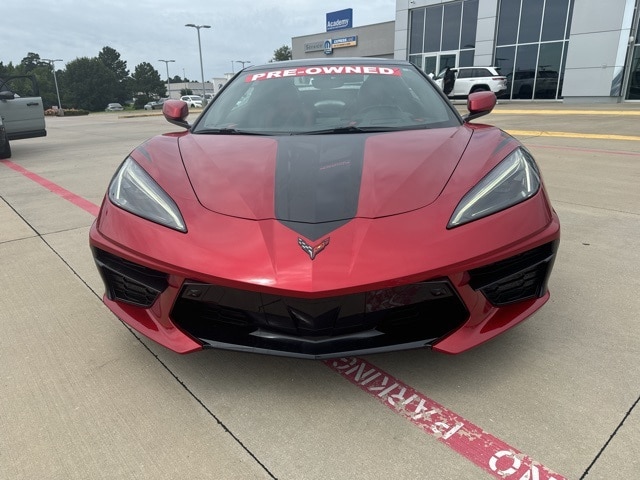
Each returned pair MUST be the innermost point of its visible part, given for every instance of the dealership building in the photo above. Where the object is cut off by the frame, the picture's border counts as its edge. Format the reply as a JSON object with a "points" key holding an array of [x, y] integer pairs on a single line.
{"points": [[574, 50]]}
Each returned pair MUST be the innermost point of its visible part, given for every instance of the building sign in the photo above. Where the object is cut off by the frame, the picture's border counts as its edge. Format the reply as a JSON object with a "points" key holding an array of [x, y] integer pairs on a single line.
{"points": [[339, 20], [314, 46], [351, 41], [332, 43]]}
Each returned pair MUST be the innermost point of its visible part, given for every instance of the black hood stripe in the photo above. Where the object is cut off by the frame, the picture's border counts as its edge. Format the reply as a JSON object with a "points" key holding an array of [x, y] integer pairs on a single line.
{"points": [[317, 182]]}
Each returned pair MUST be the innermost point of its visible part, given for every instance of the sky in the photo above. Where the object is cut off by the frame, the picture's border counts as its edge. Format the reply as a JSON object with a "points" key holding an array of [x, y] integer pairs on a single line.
{"points": [[150, 30]]}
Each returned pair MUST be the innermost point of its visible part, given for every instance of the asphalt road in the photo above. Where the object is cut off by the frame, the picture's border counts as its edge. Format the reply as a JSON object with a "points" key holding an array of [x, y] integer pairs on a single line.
{"points": [[83, 397]]}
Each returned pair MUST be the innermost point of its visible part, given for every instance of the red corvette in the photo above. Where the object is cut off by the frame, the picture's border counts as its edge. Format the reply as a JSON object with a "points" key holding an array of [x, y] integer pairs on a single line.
{"points": [[327, 208]]}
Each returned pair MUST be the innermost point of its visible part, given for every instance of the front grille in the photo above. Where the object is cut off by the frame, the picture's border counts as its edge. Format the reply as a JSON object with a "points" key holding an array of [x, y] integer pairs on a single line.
{"points": [[129, 282], [421, 312], [517, 278]]}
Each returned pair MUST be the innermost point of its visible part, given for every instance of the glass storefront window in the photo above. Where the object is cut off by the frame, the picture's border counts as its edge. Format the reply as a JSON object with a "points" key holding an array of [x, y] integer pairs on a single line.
{"points": [[549, 70], [524, 74], [469, 24], [505, 60], [508, 22], [417, 31], [634, 77], [555, 20], [451, 26], [416, 60], [633, 90], [530, 21], [433, 29], [466, 58], [531, 47]]}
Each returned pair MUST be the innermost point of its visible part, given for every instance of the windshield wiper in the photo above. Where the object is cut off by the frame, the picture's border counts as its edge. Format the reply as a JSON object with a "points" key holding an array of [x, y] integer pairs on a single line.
{"points": [[353, 129], [227, 131]]}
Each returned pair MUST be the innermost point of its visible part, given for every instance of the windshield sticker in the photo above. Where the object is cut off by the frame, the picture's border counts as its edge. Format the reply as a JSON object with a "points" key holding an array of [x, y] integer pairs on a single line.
{"points": [[324, 70]]}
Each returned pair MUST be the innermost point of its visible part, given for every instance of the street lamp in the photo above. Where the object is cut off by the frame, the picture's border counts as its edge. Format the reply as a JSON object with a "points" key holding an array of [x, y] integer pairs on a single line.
{"points": [[166, 63], [243, 62], [198, 27], [52, 63]]}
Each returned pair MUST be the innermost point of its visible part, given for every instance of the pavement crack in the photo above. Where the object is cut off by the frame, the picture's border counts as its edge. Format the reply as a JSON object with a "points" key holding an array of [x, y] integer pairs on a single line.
{"points": [[168, 369], [606, 444], [207, 409]]}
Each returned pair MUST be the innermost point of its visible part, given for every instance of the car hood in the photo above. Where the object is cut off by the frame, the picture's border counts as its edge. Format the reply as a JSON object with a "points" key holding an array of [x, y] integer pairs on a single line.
{"points": [[315, 179]]}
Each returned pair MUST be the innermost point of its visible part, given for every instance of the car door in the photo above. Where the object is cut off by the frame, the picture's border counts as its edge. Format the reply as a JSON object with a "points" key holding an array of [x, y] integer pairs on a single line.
{"points": [[21, 109], [463, 83]]}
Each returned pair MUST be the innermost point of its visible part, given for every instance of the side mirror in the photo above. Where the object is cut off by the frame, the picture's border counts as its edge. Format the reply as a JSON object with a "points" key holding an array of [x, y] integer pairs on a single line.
{"points": [[7, 95], [176, 112], [479, 104]]}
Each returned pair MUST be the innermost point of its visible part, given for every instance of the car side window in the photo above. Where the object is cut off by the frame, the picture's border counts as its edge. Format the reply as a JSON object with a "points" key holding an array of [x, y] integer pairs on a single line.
{"points": [[481, 72], [465, 73]]}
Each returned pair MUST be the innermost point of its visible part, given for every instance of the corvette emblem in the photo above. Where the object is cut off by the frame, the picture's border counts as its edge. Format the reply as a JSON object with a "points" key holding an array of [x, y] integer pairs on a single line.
{"points": [[311, 250]]}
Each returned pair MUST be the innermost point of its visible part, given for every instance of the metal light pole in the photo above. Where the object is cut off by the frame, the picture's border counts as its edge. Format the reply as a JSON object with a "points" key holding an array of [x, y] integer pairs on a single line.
{"points": [[198, 27], [55, 80], [166, 62], [243, 62]]}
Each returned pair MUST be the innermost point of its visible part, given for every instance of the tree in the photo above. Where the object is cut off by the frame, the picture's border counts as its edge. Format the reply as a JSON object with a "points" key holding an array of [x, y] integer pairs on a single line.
{"points": [[111, 59], [6, 70], [282, 53], [29, 63], [88, 84], [147, 84]]}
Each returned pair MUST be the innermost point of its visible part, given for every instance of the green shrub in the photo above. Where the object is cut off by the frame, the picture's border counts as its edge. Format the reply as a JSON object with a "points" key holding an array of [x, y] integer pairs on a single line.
{"points": [[67, 112]]}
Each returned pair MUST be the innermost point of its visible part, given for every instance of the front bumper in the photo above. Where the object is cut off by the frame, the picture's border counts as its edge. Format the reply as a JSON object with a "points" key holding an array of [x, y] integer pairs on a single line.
{"points": [[450, 314]]}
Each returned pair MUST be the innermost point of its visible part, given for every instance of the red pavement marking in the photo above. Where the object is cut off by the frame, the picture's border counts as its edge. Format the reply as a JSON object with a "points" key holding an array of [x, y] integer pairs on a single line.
{"points": [[483, 449], [54, 188], [486, 451]]}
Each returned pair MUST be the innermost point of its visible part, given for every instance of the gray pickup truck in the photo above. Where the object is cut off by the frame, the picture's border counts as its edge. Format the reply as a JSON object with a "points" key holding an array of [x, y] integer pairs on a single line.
{"points": [[21, 111]]}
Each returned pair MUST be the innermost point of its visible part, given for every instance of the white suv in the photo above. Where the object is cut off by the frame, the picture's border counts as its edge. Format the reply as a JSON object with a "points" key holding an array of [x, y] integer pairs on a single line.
{"points": [[474, 79], [192, 100]]}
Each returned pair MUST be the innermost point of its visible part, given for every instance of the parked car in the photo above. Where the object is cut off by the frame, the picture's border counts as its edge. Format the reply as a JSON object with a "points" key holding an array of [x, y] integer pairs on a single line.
{"points": [[114, 107], [21, 111], [5, 147], [353, 214], [155, 105], [474, 79], [194, 101]]}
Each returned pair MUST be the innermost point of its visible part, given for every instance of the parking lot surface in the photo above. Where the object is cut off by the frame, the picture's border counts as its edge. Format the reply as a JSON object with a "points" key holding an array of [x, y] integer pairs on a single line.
{"points": [[83, 397]]}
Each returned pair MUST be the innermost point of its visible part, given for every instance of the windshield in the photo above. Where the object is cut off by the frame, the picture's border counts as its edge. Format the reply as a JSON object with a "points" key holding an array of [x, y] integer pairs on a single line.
{"points": [[327, 99]]}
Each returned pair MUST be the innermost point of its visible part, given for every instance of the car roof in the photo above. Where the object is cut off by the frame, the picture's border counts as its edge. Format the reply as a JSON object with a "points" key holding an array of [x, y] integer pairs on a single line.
{"points": [[475, 66], [329, 61]]}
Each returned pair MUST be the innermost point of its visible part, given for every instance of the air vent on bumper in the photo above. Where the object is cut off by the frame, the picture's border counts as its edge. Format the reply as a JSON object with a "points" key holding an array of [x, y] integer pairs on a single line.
{"points": [[517, 278], [129, 282]]}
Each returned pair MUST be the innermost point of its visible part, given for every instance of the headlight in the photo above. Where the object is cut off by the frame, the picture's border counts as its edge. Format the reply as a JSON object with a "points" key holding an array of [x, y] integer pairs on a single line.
{"points": [[133, 190], [512, 181]]}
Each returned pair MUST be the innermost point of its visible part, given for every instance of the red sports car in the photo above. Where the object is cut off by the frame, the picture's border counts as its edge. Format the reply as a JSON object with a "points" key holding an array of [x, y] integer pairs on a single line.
{"points": [[324, 208]]}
